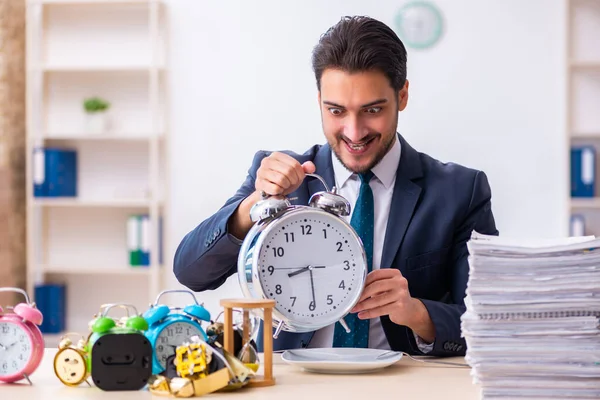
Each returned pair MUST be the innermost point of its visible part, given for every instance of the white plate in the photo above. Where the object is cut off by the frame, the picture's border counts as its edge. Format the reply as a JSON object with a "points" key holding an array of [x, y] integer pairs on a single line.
{"points": [[341, 360]]}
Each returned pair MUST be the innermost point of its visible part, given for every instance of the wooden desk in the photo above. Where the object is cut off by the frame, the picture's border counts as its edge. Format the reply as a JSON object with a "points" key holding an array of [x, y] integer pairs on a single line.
{"points": [[404, 380]]}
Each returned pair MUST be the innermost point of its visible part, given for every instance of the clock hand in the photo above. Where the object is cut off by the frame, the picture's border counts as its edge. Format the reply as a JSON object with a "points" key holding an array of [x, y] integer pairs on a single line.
{"points": [[298, 271], [3, 347], [302, 270], [12, 345], [312, 285]]}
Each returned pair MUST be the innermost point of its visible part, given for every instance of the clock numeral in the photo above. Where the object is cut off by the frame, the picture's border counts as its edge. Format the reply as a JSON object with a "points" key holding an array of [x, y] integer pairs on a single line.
{"points": [[342, 285], [5, 329], [312, 306], [339, 245], [169, 331], [163, 339], [187, 331], [324, 233], [4, 365], [289, 236], [293, 301], [278, 252], [347, 267], [24, 347], [21, 357], [22, 338], [160, 348], [271, 269], [15, 365], [329, 300], [278, 289], [178, 330], [306, 229]]}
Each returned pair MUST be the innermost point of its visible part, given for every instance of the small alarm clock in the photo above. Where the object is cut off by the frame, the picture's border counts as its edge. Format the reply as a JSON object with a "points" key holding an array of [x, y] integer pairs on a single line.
{"points": [[72, 362], [21, 341], [306, 258], [121, 356], [170, 327]]}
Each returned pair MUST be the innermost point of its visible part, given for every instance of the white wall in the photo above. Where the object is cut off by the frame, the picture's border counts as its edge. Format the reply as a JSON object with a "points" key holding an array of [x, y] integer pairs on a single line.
{"points": [[489, 95]]}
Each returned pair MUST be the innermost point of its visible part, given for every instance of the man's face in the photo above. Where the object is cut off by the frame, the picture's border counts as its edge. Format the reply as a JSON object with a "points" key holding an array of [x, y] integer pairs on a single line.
{"points": [[359, 113]]}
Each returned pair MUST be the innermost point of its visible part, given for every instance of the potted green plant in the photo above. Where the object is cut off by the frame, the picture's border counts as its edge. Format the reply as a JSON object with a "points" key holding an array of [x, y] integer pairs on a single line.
{"points": [[96, 114]]}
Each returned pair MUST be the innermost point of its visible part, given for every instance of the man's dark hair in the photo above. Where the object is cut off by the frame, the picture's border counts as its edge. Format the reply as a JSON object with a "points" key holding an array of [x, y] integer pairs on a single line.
{"points": [[357, 44]]}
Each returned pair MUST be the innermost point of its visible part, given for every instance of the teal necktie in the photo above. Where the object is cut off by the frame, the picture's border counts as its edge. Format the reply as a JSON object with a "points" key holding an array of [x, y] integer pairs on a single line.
{"points": [[363, 221]]}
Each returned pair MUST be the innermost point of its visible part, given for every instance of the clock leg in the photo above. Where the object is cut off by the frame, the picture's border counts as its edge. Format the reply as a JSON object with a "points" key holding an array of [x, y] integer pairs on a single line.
{"points": [[28, 380], [344, 325]]}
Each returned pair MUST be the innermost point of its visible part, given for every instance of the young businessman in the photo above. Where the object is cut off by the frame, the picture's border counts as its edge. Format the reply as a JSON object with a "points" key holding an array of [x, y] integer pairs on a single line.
{"points": [[423, 211]]}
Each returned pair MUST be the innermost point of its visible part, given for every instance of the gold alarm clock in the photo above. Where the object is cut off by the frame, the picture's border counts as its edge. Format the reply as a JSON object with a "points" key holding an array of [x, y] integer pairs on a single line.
{"points": [[71, 363]]}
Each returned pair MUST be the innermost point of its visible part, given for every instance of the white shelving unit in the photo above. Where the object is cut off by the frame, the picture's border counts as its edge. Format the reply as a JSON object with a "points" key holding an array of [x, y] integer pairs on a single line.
{"points": [[114, 49], [583, 96]]}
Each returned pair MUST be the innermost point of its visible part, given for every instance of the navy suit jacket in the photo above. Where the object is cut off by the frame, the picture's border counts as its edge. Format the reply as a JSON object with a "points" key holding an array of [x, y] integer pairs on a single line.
{"points": [[435, 207]]}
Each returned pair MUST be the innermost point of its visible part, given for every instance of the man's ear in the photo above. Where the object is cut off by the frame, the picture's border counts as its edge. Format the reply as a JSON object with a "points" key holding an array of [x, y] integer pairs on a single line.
{"points": [[403, 97]]}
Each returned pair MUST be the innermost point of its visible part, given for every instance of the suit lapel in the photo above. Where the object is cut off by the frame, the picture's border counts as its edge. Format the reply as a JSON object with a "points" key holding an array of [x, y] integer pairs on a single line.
{"points": [[404, 200], [324, 168]]}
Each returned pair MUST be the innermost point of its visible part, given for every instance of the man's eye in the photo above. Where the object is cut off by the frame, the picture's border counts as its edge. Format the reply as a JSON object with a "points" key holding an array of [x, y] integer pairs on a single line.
{"points": [[335, 111], [373, 110]]}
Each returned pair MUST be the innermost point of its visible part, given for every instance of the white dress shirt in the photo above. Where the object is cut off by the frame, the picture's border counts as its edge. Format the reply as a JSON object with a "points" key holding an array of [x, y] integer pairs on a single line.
{"points": [[382, 185]]}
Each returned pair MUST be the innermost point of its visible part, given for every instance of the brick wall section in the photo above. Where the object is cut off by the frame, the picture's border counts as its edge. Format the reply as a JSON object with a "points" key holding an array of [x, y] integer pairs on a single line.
{"points": [[12, 147]]}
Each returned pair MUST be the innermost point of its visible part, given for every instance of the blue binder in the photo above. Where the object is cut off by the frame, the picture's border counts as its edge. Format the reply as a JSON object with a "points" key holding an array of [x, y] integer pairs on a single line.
{"points": [[583, 171], [55, 172], [50, 300]]}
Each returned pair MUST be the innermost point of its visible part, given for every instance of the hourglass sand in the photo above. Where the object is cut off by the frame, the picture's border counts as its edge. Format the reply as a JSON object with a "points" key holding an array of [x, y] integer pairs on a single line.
{"points": [[246, 305]]}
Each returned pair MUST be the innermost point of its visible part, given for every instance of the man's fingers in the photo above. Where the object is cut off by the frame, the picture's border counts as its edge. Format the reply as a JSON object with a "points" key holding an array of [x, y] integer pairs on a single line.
{"points": [[376, 288], [309, 167], [376, 301], [268, 187], [276, 178], [377, 312], [383, 273]]}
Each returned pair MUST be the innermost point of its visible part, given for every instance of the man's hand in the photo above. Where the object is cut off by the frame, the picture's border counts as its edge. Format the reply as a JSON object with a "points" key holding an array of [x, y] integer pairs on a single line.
{"points": [[386, 293], [279, 174]]}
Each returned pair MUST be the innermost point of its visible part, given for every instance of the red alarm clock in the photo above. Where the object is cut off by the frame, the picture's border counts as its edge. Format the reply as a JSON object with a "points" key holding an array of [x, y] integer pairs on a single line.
{"points": [[21, 341]]}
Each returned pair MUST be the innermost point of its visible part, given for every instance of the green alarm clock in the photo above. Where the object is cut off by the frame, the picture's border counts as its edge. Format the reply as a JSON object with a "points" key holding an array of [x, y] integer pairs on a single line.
{"points": [[119, 353], [170, 327]]}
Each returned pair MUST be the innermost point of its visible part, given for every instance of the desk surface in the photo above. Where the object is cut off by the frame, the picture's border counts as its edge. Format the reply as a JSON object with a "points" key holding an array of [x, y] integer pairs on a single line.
{"points": [[407, 379]]}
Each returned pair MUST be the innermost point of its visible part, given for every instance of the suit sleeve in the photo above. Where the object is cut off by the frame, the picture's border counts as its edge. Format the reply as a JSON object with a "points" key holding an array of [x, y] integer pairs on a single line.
{"points": [[445, 316], [207, 255]]}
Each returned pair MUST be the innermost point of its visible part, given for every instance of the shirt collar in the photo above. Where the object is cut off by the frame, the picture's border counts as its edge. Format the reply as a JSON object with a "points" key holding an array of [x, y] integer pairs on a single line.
{"points": [[385, 170]]}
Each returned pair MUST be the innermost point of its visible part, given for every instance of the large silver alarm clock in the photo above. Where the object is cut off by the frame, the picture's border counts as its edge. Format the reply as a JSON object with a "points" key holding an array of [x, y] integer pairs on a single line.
{"points": [[306, 258]]}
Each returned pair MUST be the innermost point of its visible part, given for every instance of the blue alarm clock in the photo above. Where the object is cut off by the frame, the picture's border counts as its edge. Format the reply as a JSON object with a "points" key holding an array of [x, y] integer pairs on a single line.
{"points": [[170, 327]]}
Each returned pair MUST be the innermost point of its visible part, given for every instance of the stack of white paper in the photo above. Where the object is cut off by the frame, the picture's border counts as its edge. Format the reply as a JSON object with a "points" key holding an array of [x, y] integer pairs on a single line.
{"points": [[531, 325]]}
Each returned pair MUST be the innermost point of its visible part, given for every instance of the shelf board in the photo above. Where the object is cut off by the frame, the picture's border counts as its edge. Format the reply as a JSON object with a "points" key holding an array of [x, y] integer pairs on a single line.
{"points": [[75, 202], [124, 136], [100, 68], [92, 2], [97, 270], [586, 65], [582, 135], [592, 202]]}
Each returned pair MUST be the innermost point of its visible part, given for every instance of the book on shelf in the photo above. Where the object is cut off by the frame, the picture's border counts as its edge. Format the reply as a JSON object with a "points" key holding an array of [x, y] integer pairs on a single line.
{"points": [[54, 172], [139, 240], [583, 171]]}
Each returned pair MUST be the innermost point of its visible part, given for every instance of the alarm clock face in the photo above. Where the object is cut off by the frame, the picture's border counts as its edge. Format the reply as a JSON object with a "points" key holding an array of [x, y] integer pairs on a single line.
{"points": [[70, 366], [16, 348], [313, 265], [172, 336]]}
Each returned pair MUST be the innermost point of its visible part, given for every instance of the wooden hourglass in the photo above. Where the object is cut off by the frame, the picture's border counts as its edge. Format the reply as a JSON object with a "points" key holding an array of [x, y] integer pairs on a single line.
{"points": [[246, 305]]}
